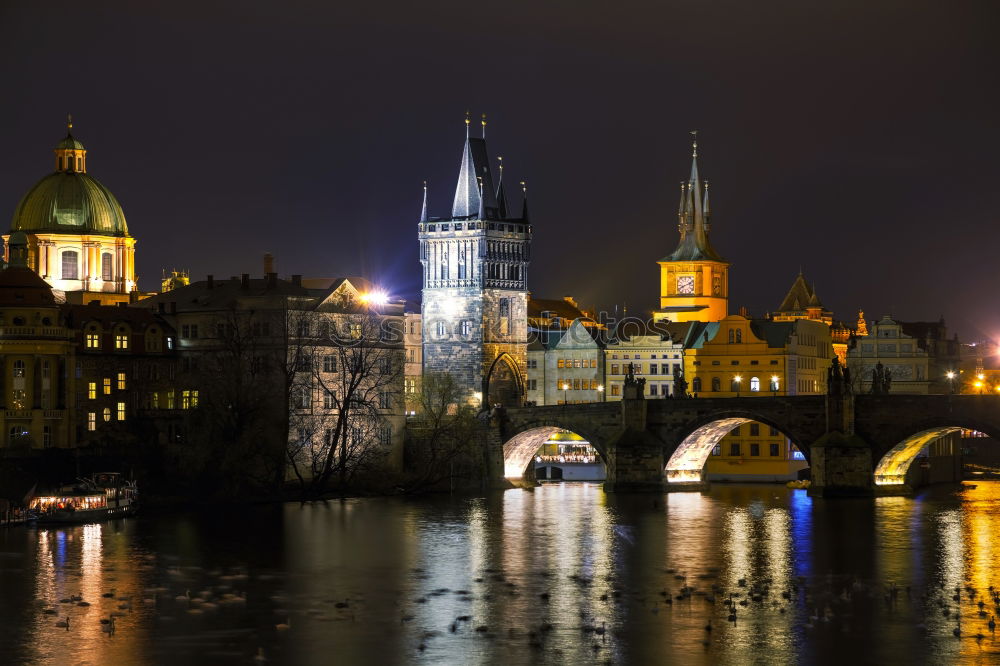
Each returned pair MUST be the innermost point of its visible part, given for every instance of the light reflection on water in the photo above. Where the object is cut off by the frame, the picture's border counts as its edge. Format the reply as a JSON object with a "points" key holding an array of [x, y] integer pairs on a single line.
{"points": [[562, 573]]}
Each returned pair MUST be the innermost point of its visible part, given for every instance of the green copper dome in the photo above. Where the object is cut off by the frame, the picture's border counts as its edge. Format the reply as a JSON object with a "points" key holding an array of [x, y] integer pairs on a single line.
{"points": [[70, 143], [71, 203]]}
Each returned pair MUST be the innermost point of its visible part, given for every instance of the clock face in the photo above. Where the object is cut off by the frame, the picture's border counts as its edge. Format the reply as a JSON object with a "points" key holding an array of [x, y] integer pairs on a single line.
{"points": [[685, 284]]}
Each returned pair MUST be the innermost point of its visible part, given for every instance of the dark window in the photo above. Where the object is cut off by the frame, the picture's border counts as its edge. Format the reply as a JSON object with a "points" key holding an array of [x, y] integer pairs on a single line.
{"points": [[696, 384], [773, 431], [69, 265], [716, 384], [734, 449], [754, 429], [755, 449], [735, 432], [775, 451], [106, 267]]}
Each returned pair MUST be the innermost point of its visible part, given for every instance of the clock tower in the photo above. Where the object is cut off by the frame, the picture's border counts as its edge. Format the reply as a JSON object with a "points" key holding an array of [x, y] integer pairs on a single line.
{"points": [[694, 279]]}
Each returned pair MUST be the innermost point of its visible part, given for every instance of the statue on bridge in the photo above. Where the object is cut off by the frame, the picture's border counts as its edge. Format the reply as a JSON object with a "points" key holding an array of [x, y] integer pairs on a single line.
{"points": [[881, 379], [680, 385], [838, 379]]}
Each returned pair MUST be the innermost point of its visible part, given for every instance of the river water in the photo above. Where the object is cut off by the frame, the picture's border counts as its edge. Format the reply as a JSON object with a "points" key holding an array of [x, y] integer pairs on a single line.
{"points": [[561, 574]]}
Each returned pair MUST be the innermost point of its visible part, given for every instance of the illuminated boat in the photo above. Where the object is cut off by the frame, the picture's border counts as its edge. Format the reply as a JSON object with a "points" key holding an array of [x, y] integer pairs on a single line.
{"points": [[103, 496]]}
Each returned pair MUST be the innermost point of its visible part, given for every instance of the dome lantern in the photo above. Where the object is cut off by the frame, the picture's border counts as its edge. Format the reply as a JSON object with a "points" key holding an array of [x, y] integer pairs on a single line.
{"points": [[71, 156]]}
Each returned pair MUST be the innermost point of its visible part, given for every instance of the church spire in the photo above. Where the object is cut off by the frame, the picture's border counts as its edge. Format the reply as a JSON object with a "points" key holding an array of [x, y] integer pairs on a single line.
{"points": [[423, 209]]}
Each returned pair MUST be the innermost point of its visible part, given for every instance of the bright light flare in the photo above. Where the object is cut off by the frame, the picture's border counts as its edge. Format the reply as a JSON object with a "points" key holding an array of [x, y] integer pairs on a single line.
{"points": [[375, 298]]}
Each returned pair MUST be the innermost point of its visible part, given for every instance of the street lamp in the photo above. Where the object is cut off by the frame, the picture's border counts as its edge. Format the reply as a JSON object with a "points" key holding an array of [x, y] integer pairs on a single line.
{"points": [[600, 389], [774, 384], [565, 388], [979, 385], [951, 380], [737, 379]]}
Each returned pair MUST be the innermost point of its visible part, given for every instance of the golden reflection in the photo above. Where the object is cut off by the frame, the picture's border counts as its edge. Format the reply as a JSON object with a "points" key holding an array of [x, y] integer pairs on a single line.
{"points": [[891, 469]]}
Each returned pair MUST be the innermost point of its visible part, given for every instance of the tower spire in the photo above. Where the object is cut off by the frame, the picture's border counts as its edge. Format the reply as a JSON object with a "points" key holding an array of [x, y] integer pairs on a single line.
{"points": [[483, 121], [482, 211], [423, 209], [467, 191], [693, 215], [69, 122], [501, 193]]}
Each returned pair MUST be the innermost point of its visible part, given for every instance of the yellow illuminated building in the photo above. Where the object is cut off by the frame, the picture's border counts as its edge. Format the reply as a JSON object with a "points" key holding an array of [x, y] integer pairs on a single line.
{"points": [[694, 279], [740, 357], [78, 241]]}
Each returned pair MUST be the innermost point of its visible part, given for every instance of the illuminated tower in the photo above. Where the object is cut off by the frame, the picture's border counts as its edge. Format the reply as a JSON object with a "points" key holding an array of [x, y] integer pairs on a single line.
{"points": [[475, 285], [694, 279], [77, 237]]}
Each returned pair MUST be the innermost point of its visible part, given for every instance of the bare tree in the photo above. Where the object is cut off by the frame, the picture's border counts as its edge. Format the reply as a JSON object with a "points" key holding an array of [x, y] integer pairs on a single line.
{"points": [[346, 376], [444, 437]]}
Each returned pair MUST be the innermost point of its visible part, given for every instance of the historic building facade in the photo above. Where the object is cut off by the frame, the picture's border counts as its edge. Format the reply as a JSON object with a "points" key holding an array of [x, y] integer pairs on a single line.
{"points": [[694, 279], [739, 357], [652, 352], [78, 240], [474, 299]]}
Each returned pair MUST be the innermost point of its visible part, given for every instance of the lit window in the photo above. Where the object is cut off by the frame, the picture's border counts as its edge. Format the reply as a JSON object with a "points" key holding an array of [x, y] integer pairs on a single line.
{"points": [[19, 368], [19, 400], [185, 399], [170, 342], [121, 411], [194, 399], [121, 341], [410, 385], [754, 383], [121, 381], [355, 331], [107, 386], [92, 390], [466, 328], [170, 399], [107, 414]]}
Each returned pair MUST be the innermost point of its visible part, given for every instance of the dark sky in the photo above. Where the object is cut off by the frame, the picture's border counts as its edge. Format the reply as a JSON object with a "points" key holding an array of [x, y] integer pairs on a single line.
{"points": [[855, 139]]}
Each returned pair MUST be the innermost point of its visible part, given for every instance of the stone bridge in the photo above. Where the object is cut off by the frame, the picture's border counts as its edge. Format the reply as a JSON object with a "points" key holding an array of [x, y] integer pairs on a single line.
{"points": [[855, 444]]}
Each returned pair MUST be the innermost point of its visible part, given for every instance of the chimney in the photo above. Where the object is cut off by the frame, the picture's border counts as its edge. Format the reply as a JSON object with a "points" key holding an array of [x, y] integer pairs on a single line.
{"points": [[268, 263], [297, 280], [272, 280], [210, 282], [245, 280]]}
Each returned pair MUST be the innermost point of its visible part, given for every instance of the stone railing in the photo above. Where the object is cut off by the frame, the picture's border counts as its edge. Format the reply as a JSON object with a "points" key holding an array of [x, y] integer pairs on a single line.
{"points": [[33, 332]]}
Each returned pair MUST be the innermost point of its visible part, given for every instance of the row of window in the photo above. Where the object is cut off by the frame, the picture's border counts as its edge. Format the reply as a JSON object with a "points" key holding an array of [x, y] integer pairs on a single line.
{"points": [[106, 414], [773, 361], [19, 433], [736, 385], [576, 363], [92, 386], [71, 265], [652, 356], [577, 384], [651, 369], [736, 449], [302, 398], [472, 226], [92, 340]]}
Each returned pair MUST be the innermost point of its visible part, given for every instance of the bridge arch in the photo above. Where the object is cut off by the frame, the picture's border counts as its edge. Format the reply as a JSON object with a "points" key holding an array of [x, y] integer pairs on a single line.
{"points": [[895, 461], [519, 450], [687, 461]]}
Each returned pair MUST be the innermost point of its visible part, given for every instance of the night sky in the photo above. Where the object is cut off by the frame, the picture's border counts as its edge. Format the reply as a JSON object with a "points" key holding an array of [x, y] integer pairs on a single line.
{"points": [[856, 139]]}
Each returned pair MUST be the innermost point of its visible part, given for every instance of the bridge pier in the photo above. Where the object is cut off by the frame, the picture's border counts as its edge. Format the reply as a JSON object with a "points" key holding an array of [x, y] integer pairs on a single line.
{"points": [[841, 466]]}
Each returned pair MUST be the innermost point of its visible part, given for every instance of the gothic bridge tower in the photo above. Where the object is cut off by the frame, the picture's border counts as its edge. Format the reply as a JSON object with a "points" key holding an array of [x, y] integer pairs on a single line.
{"points": [[475, 297], [694, 279]]}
